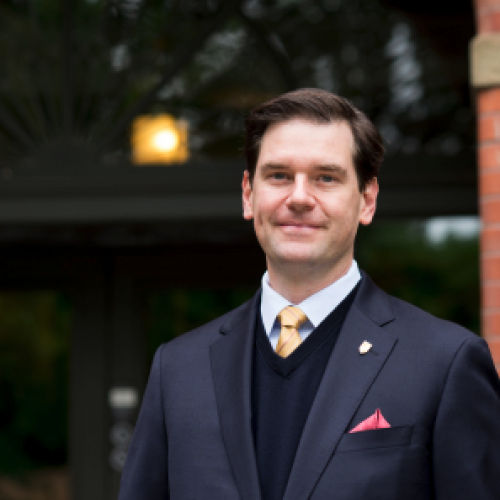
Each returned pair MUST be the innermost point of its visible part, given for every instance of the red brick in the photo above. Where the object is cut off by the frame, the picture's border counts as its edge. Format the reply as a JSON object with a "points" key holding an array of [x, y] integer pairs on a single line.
{"points": [[494, 346], [491, 324], [489, 182], [489, 156], [490, 240], [488, 100], [489, 21], [490, 268], [489, 128], [490, 211], [490, 295], [491, 338], [486, 5]]}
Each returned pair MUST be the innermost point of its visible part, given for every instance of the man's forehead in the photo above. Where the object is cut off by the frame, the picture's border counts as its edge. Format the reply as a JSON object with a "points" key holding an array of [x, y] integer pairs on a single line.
{"points": [[306, 135], [306, 122]]}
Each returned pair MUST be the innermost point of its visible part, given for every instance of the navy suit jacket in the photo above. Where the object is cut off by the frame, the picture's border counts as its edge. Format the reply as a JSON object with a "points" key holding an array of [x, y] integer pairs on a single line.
{"points": [[433, 381]]}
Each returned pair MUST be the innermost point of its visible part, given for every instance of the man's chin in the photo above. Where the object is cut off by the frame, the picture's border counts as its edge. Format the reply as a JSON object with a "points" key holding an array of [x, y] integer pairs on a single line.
{"points": [[302, 258]]}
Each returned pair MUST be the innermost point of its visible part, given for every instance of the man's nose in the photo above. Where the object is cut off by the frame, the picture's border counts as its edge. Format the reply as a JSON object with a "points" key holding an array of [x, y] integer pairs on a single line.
{"points": [[300, 197]]}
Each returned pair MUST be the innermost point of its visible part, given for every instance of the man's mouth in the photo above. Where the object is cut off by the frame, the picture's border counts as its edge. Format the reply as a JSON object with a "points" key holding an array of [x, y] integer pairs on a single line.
{"points": [[298, 227]]}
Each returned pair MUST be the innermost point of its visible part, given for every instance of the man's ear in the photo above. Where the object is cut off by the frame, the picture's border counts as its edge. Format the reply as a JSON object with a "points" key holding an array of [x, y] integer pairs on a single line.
{"points": [[368, 202], [246, 187]]}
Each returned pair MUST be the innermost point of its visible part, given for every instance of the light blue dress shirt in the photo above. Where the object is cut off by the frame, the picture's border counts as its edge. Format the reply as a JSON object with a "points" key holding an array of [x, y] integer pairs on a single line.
{"points": [[316, 307]]}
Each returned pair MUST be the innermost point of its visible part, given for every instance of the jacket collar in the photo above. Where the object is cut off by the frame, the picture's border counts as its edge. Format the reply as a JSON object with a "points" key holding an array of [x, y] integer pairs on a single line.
{"points": [[231, 360]]}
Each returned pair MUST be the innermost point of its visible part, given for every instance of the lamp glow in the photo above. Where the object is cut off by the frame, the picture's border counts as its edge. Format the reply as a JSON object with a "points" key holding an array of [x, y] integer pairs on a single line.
{"points": [[159, 139], [166, 140]]}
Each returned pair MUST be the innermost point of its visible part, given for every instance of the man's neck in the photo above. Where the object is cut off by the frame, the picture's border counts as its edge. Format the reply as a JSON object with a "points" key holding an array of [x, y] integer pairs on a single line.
{"points": [[298, 283]]}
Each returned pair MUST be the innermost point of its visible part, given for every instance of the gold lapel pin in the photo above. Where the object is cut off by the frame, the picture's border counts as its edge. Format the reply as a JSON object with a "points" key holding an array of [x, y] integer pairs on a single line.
{"points": [[364, 347]]}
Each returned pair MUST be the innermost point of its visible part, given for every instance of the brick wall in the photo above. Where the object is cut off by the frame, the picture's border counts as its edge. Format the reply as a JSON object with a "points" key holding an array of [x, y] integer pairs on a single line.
{"points": [[488, 107], [487, 15]]}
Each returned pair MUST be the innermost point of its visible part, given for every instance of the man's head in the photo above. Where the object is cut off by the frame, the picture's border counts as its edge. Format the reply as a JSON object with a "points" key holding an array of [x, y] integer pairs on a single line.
{"points": [[311, 180], [316, 106]]}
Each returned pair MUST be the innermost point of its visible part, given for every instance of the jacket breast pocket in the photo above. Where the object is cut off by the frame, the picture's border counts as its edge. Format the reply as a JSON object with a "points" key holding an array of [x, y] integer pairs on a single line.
{"points": [[389, 464], [375, 439]]}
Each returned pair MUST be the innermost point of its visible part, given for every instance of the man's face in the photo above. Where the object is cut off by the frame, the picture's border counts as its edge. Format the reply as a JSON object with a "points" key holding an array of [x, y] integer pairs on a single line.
{"points": [[304, 198]]}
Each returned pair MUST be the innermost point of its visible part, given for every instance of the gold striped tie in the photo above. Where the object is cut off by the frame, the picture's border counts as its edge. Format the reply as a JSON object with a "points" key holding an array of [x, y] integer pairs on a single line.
{"points": [[290, 318]]}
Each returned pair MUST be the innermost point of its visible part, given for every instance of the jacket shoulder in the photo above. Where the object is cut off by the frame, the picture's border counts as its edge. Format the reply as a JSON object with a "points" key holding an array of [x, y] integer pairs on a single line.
{"points": [[428, 325], [411, 325], [433, 342]]}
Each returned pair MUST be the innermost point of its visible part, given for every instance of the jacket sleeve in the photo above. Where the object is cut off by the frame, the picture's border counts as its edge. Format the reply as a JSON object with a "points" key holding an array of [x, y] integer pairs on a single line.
{"points": [[145, 473], [466, 439]]}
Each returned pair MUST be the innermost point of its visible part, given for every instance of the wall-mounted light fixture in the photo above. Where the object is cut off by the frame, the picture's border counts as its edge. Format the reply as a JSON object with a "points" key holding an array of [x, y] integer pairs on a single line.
{"points": [[159, 139]]}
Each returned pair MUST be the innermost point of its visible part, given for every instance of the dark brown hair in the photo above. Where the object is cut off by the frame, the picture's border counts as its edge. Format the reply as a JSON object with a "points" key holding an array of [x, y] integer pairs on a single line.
{"points": [[317, 106]]}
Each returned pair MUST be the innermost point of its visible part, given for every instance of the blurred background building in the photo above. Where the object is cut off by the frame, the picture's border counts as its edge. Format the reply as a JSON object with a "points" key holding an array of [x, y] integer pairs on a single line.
{"points": [[120, 171]]}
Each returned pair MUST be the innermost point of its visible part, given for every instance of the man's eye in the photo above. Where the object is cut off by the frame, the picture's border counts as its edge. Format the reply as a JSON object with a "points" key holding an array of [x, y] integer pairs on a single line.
{"points": [[326, 178], [279, 176]]}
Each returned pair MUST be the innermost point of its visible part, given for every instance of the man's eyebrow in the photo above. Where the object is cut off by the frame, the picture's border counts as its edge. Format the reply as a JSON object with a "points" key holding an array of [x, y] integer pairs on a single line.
{"points": [[332, 169], [326, 168], [272, 166]]}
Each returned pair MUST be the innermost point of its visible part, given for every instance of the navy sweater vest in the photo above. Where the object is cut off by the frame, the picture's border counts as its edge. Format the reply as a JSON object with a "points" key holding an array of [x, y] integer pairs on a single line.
{"points": [[283, 391]]}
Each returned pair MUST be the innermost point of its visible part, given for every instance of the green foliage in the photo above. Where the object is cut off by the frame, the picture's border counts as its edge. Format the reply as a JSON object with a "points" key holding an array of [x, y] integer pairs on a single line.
{"points": [[442, 279], [174, 312], [34, 366]]}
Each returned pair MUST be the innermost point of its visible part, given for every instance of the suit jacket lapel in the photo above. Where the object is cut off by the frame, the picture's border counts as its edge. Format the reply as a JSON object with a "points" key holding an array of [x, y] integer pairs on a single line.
{"points": [[347, 379], [231, 360]]}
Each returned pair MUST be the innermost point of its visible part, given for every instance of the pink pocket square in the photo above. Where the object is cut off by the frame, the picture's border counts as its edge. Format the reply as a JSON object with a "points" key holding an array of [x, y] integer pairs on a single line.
{"points": [[375, 421]]}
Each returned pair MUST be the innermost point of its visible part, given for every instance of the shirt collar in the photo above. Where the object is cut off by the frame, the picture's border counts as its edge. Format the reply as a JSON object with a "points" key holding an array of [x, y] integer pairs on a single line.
{"points": [[316, 307]]}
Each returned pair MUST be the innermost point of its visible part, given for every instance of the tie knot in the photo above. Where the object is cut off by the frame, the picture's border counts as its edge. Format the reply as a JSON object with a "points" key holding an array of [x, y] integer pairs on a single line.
{"points": [[292, 317]]}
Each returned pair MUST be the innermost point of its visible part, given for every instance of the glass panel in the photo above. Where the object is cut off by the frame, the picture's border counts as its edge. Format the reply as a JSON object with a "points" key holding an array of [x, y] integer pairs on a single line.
{"points": [[34, 364]]}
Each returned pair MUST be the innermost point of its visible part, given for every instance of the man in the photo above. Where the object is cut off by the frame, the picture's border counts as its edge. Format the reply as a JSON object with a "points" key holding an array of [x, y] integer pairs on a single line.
{"points": [[322, 386]]}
